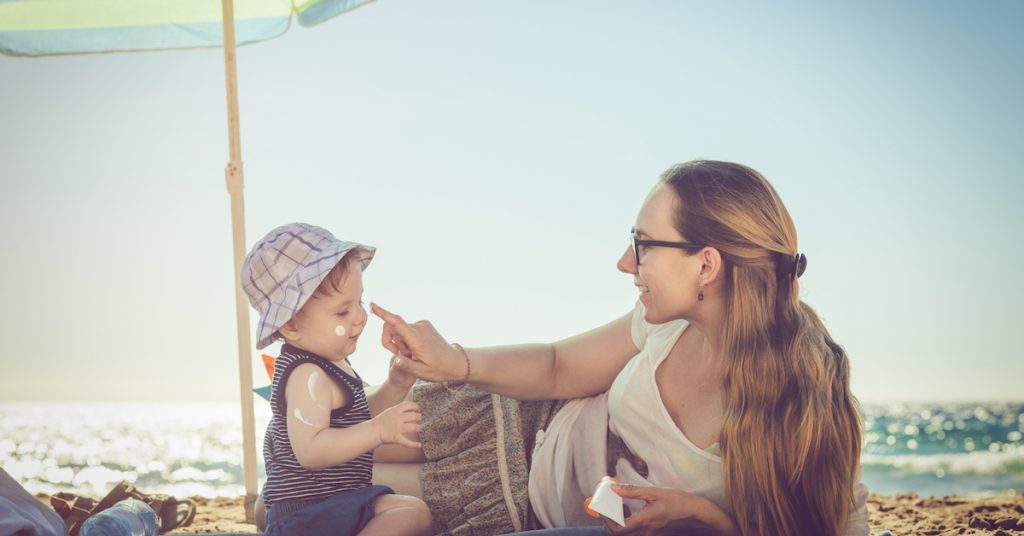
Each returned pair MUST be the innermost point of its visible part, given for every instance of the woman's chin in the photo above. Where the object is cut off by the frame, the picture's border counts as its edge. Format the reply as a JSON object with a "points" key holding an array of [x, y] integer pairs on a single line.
{"points": [[653, 315], [654, 318]]}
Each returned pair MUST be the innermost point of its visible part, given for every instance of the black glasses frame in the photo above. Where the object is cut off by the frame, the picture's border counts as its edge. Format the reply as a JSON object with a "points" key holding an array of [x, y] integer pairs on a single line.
{"points": [[637, 242]]}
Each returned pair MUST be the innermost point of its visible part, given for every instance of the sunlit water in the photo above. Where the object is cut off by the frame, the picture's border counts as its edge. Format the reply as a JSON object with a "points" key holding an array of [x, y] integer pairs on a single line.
{"points": [[191, 448], [181, 449], [942, 449]]}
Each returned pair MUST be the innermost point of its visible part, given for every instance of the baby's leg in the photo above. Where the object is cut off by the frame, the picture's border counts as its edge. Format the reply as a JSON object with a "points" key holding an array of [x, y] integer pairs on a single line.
{"points": [[398, 515], [404, 478]]}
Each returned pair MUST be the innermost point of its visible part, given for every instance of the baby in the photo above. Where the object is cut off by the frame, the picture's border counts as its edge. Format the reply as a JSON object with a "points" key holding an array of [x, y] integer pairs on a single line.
{"points": [[307, 287]]}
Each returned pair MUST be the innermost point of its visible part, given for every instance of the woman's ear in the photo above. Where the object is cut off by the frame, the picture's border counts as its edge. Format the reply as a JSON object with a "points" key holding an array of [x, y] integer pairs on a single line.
{"points": [[711, 265]]}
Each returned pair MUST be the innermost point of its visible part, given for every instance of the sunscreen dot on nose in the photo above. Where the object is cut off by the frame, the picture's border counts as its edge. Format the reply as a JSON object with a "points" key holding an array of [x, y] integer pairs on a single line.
{"points": [[340, 331]]}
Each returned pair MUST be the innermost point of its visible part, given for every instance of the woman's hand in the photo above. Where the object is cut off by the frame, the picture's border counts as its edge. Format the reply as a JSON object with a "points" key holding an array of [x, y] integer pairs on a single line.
{"points": [[669, 511], [426, 354]]}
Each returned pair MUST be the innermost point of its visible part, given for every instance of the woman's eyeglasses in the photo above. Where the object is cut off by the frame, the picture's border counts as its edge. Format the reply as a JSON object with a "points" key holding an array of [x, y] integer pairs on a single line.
{"points": [[637, 242]]}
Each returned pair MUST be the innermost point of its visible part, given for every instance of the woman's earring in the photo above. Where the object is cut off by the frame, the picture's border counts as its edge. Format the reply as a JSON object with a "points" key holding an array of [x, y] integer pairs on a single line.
{"points": [[700, 295]]}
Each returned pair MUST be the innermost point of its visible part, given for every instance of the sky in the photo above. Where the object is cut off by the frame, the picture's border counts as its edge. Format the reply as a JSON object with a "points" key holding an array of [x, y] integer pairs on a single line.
{"points": [[496, 154]]}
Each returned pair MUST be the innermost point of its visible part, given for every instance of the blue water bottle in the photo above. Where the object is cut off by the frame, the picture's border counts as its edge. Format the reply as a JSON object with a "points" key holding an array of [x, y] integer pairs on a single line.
{"points": [[130, 517]]}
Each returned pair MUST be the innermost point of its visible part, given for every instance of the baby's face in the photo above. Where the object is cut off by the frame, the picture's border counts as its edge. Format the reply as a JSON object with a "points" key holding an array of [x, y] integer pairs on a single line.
{"points": [[329, 324]]}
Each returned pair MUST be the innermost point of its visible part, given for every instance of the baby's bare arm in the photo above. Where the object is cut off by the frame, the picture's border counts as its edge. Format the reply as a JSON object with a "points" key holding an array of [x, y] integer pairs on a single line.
{"points": [[316, 445], [385, 396], [308, 404]]}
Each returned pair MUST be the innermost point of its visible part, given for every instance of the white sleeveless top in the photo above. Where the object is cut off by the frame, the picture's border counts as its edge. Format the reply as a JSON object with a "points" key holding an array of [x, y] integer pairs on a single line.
{"points": [[638, 416], [569, 457]]}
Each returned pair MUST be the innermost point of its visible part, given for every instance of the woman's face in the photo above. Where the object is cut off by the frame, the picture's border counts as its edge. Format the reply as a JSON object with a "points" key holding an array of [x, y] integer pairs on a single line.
{"points": [[666, 277]]}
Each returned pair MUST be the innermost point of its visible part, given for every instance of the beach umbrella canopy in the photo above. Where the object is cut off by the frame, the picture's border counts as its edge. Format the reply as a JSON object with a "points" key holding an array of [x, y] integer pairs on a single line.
{"points": [[57, 27], [47, 27]]}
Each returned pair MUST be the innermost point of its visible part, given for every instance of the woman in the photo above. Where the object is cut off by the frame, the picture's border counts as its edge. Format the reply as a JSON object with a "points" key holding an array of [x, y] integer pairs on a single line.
{"points": [[721, 397]]}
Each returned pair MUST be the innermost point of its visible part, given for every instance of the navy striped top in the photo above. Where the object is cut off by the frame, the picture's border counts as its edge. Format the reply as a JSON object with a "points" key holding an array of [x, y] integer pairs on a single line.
{"points": [[286, 479]]}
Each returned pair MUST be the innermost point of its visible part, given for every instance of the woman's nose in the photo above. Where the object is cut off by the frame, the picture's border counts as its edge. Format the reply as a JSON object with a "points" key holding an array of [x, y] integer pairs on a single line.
{"points": [[627, 264]]}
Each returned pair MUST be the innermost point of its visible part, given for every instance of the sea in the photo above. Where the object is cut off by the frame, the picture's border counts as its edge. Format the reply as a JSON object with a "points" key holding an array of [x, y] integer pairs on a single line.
{"points": [[195, 448]]}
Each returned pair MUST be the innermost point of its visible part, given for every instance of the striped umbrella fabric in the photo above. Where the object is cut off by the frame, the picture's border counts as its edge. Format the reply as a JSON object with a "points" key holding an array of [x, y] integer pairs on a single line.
{"points": [[49, 27]]}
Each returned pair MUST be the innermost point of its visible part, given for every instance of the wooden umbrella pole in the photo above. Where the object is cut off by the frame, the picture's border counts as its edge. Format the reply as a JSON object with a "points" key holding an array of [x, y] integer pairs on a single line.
{"points": [[235, 183]]}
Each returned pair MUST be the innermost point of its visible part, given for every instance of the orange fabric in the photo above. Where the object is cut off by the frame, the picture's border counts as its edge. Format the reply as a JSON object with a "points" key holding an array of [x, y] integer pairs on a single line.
{"points": [[268, 363]]}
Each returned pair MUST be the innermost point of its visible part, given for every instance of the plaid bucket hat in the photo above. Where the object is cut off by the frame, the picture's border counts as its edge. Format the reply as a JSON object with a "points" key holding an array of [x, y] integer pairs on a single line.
{"points": [[285, 267]]}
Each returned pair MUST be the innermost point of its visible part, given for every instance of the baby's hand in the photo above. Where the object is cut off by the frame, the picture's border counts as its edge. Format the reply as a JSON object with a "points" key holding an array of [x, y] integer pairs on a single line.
{"points": [[397, 422], [399, 377]]}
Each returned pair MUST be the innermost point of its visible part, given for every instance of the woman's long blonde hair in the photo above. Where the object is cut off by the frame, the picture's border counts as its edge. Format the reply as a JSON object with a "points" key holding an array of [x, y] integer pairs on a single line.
{"points": [[791, 434]]}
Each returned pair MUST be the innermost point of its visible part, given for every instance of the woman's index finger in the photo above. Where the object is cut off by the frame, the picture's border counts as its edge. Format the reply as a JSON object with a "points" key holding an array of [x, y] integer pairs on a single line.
{"points": [[385, 315], [634, 492], [394, 321]]}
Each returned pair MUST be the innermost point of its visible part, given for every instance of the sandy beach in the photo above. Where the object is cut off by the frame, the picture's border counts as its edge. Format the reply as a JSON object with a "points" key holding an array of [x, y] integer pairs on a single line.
{"points": [[906, 513], [218, 515], [902, 514]]}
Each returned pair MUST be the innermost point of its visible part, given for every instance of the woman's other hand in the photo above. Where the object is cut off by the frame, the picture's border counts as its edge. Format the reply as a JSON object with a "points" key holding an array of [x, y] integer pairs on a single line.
{"points": [[669, 511], [423, 351]]}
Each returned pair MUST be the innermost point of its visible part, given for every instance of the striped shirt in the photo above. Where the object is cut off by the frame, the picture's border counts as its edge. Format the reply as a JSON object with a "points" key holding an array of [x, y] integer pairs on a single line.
{"points": [[286, 479]]}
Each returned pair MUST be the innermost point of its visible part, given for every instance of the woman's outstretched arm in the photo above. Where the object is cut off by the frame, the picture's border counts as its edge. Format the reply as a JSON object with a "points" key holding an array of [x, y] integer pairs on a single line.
{"points": [[582, 365]]}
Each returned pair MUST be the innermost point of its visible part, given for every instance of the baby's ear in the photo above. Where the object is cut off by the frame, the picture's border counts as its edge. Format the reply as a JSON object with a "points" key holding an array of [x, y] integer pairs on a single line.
{"points": [[290, 330]]}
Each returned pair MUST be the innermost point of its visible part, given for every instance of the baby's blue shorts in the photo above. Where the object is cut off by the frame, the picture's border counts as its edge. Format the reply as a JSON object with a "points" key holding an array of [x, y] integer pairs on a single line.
{"points": [[338, 515]]}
